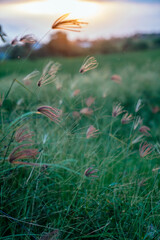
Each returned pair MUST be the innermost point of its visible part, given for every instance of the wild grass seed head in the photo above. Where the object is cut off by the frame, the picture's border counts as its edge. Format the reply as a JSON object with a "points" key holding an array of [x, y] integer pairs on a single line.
{"points": [[117, 110], [22, 154], [92, 132], [52, 113], [145, 130], [138, 105], [138, 121], [90, 101], [88, 64], [89, 172], [23, 134], [145, 149], [116, 78], [31, 75], [86, 111], [14, 41], [28, 38], [49, 73], [76, 92], [127, 118], [74, 25]]}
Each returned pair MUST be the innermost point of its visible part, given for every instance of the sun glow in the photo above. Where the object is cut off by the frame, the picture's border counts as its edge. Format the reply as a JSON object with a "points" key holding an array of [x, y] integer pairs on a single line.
{"points": [[87, 10]]}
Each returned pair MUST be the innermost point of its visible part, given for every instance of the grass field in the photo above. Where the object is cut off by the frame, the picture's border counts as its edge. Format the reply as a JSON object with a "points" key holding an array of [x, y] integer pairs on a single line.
{"points": [[60, 201]]}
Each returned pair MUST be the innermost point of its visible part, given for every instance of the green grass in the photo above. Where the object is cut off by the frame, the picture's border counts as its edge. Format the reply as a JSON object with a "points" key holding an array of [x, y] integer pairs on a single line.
{"points": [[123, 202]]}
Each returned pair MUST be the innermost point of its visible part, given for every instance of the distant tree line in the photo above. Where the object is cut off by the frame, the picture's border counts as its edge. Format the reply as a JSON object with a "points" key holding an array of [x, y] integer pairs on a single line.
{"points": [[60, 45]]}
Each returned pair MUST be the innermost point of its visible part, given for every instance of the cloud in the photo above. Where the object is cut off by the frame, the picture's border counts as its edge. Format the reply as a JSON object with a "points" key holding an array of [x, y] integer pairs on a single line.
{"points": [[136, 1], [18, 1]]}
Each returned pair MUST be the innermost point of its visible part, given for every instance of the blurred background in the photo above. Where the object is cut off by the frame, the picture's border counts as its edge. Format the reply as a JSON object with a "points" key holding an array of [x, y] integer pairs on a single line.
{"points": [[114, 26]]}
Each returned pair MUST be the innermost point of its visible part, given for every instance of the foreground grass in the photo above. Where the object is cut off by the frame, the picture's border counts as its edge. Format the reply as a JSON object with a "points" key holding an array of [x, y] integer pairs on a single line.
{"points": [[123, 202]]}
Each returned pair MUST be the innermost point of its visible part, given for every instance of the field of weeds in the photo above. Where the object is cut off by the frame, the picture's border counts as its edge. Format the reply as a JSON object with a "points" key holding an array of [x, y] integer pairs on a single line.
{"points": [[80, 157]]}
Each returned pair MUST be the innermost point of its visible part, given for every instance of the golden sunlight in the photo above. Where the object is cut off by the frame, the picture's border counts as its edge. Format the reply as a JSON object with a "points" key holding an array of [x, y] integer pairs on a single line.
{"points": [[87, 10]]}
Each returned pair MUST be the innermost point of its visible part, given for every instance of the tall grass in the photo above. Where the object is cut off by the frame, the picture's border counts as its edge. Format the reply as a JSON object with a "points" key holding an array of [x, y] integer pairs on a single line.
{"points": [[123, 202]]}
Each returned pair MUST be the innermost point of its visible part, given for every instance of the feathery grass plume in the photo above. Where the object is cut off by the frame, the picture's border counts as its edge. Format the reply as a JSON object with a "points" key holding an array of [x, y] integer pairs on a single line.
{"points": [[138, 139], [48, 74], [28, 38], [138, 105], [116, 78], [52, 113], [22, 134], [89, 172], [92, 132], [145, 130], [14, 41], [138, 121], [127, 118], [71, 25], [90, 101], [76, 92], [86, 111], [31, 75], [145, 149], [117, 110], [22, 154], [88, 64], [1, 100]]}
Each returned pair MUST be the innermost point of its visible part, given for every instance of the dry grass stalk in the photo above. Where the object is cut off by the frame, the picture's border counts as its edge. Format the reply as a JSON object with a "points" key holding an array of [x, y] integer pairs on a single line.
{"points": [[71, 25], [48, 74], [88, 64], [52, 113]]}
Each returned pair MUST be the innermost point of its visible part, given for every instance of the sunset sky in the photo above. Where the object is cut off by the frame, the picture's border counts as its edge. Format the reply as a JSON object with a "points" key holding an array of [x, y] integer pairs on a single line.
{"points": [[106, 18]]}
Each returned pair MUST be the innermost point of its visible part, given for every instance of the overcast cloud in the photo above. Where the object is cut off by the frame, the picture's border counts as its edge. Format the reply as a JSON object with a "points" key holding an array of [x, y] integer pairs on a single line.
{"points": [[136, 1], [18, 1]]}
